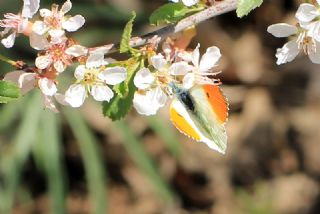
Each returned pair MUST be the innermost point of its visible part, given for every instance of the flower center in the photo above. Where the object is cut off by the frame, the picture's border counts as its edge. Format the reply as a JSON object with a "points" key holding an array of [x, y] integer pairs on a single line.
{"points": [[90, 77]]}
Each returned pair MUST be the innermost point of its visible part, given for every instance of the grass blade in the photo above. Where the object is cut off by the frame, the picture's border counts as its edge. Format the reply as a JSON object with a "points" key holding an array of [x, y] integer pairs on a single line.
{"points": [[92, 160], [135, 149], [13, 158], [47, 152], [166, 134]]}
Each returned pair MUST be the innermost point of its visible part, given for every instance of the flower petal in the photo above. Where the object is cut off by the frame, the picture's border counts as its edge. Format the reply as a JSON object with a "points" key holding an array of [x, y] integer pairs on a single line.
{"points": [[190, 3], [209, 59], [45, 13], [47, 86], [43, 62], [79, 72], [314, 56], [13, 76], [9, 41], [66, 7], [306, 12], [282, 30], [196, 56], [27, 82], [59, 66], [114, 75], [143, 78], [75, 95], [287, 53], [149, 103], [158, 61], [180, 68], [49, 104], [95, 60], [39, 27], [30, 7], [61, 98], [74, 23], [188, 81], [77, 50], [101, 93], [38, 42]]}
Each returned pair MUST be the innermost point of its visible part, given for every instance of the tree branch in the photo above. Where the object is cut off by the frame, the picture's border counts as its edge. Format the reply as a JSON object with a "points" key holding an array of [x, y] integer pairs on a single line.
{"points": [[213, 11]]}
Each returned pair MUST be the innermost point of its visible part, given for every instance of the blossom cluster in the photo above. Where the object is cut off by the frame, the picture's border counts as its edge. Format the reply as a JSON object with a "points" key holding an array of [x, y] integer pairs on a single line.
{"points": [[304, 36], [57, 51], [95, 74]]}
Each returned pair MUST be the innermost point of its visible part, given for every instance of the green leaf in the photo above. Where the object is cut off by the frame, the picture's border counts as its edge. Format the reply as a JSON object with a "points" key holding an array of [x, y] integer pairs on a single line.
{"points": [[171, 13], [120, 105], [126, 35], [246, 6], [92, 160], [8, 92]]}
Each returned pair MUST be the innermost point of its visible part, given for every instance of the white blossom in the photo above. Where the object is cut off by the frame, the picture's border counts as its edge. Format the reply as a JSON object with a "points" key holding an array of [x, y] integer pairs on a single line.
{"points": [[93, 78], [187, 3], [55, 23]]}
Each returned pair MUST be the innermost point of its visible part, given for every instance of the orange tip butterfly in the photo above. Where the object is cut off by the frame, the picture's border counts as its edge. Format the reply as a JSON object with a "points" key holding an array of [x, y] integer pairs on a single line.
{"points": [[201, 113]]}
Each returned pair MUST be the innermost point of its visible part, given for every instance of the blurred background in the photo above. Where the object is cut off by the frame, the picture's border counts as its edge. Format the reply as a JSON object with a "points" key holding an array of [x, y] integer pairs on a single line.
{"points": [[79, 162]]}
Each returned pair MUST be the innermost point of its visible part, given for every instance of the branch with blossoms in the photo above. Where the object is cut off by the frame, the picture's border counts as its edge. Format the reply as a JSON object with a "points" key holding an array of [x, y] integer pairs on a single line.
{"points": [[158, 67]]}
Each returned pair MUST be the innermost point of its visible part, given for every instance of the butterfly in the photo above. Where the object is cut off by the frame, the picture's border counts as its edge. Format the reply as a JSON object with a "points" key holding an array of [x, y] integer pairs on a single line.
{"points": [[201, 113]]}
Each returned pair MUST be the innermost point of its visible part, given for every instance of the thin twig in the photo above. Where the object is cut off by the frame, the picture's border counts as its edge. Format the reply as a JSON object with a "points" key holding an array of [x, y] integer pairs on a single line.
{"points": [[213, 11]]}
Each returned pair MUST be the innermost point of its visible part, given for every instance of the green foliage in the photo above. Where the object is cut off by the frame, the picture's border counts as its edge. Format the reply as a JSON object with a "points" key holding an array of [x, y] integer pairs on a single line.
{"points": [[8, 92], [120, 105], [246, 6], [92, 159], [172, 13], [14, 156], [135, 149], [126, 36], [47, 153]]}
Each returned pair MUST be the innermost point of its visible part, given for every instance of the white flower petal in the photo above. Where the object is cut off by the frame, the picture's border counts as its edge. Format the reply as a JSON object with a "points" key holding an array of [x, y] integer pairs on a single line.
{"points": [[306, 12], [66, 7], [196, 56], [43, 62], [101, 93], [314, 30], [49, 104], [282, 30], [149, 103], [22, 27], [61, 98], [27, 82], [79, 72], [39, 27], [190, 3], [95, 60], [47, 86], [38, 42], [56, 33], [77, 50], [59, 66], [287, 53], [188, 81], [75, 95], [314, 56], [74, 23], [30, 7], [209, 59], [45, 13], [143, 78], [9, 41], [13, 76], [114, 75], [180, 68], [158, 61]]}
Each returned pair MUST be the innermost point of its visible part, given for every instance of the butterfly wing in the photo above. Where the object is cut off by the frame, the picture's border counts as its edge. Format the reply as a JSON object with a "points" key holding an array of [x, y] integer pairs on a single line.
{"points": [[206, 124]]}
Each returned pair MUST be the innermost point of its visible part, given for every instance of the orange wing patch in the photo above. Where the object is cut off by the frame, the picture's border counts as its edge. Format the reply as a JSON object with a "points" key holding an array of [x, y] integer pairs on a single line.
{"points": [[182, 125], [217, 101]]}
